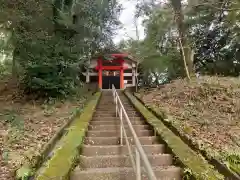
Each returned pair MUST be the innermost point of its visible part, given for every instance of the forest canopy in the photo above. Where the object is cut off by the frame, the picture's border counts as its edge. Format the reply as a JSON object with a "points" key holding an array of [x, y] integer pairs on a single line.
{"points": [[207, 30], [49, 42]]}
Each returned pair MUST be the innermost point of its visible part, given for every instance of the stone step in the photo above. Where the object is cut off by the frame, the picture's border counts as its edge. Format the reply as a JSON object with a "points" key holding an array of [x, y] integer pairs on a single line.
{"points": [[163, 173], [116, 127], [113, 112], [115, 118], [121, 161], [116, 122], [110, 101], [116, 140], [107, 102], [103, 115], [104, 105], [113, 106], [89, 150], [106, 113], [111, 109], [103, 158], [107, 133]]}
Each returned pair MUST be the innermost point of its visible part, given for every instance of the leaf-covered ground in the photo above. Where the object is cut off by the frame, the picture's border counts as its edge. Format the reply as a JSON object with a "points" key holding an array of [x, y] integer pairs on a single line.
{"points": [[26, 126], [207, 110]]}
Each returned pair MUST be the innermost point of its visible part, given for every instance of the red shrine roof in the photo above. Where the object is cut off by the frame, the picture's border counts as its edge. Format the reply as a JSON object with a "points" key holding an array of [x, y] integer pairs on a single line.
{"points": [[119, 55]]}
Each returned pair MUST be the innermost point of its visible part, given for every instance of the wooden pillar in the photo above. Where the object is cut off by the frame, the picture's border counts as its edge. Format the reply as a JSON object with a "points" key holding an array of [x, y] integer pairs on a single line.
{"points": [[121, 79], [100, 73], [122, 75], [133, 76]]}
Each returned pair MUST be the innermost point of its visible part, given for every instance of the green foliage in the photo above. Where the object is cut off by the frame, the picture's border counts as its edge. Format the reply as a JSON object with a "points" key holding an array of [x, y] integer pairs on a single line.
{"points": [[52, 41], [187, 174], [24, 173], [13, 118], [52, 73], [233, 161], [5, 155], [4, 70], [160, 60], [214, 32], [210, 28], [76, 111]]}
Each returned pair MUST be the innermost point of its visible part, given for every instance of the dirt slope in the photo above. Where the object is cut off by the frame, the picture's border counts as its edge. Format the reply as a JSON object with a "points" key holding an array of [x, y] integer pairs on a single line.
{"points": [[207, 110], [26, 126]]}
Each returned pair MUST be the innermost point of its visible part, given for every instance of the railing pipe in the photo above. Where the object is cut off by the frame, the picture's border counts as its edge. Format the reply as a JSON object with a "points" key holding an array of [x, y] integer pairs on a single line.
{"points": [[140, 154], [121, 127], [138, 165]]}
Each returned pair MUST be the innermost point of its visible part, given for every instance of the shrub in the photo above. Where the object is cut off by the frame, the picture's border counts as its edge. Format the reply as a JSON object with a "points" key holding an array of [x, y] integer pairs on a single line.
{"points": [[52, 68]]}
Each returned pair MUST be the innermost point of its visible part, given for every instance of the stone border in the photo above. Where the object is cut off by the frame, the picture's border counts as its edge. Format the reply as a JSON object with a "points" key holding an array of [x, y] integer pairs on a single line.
{"points": [[213, 161], [64, 156], [189, 158]]}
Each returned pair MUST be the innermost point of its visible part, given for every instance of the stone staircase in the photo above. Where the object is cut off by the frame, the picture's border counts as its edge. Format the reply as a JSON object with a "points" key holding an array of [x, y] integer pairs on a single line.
{"points": [[103, 158]]}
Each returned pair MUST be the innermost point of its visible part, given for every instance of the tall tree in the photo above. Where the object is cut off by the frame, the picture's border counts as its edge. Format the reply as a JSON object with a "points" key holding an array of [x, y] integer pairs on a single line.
{"points": [[210, 27], [184, 44]]}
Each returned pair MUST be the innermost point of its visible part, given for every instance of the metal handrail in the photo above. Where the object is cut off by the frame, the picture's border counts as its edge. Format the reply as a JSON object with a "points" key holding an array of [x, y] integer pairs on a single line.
{"points": [[140, 154]]}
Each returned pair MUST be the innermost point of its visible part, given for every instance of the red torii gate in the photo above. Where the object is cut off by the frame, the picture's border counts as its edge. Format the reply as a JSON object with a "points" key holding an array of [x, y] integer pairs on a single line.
{"points": [[118, 59]]}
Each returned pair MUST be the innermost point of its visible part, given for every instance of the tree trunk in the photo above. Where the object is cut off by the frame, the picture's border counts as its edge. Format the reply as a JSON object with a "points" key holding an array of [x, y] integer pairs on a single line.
{"points": [[15, 55], [14, 66], [177, 7], [184, 60], [137, 36]]}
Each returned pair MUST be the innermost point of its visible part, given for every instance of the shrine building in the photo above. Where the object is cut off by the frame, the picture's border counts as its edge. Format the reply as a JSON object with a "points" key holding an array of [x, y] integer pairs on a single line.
{"points": [[121, 71]]}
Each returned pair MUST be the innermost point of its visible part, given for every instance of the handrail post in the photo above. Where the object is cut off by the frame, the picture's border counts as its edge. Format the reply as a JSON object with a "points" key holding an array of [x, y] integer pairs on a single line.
{"points": [[121, 127], [115, 99], [116, 107], [113, 93], [138, 165]]}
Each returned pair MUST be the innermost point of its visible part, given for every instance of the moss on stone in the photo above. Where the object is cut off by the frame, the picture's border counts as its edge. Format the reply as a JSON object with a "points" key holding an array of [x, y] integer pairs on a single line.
{"points": [[194, 161], [59, 166]]}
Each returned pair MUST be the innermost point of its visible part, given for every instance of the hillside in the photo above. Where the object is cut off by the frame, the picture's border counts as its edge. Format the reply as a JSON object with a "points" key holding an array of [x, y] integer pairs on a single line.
{"points": [[26, 126], [207, 110]]}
